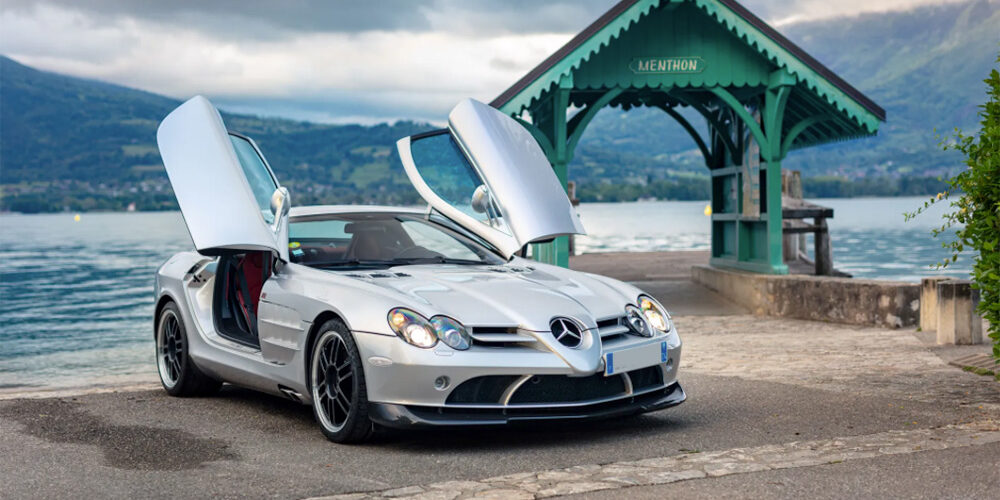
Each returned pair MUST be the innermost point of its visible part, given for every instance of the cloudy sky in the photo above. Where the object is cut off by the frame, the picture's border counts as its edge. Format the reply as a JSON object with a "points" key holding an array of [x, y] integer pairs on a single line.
{"points": [[331, 61]]}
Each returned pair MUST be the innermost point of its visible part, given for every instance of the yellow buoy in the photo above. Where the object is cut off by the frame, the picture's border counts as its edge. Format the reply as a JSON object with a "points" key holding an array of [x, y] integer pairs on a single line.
{"points": [[76, 218], [708, 209]]}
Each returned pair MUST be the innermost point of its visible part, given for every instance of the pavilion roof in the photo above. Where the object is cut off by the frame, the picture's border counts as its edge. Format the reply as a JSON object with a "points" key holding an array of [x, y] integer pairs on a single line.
{"points": [[856, 114]]}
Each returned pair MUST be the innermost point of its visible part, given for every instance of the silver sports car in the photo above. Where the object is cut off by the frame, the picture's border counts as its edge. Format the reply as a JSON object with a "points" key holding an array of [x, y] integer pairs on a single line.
{"points": [[395, 316]]}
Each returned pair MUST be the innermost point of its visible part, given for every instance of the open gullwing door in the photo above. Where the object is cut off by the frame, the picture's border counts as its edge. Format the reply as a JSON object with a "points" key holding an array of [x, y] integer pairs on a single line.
{"points": [[227, 193], [487, 173]]}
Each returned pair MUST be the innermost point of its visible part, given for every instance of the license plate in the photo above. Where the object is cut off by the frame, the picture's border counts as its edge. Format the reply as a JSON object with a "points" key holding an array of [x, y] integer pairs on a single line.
{"points": [[634, 358]]}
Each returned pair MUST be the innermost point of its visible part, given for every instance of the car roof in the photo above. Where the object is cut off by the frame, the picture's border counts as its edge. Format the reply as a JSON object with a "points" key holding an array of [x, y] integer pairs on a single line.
{"points": [[311, 210]]}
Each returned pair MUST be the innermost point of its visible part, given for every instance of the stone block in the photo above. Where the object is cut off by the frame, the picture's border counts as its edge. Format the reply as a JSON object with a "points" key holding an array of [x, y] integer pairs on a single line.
{"points": [[957, 320], [891, 304], [928, 302]]}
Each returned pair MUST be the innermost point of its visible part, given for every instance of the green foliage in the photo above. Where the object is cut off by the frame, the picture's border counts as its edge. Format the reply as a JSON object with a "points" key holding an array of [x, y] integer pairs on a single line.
{"points": [[974, 195]]}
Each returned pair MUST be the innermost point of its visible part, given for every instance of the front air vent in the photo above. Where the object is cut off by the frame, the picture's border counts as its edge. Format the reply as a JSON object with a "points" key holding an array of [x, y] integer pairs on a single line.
{"points": [[567, 332], [554, 389], [498, 336], [612, 328], [493, 330]]}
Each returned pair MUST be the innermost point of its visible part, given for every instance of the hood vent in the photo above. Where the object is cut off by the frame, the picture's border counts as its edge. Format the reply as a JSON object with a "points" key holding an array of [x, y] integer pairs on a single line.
{"points": [[511, 269], [377, 275]]}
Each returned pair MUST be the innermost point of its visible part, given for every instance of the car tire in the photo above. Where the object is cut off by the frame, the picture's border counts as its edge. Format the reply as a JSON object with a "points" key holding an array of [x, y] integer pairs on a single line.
{"points": [[337, 385], [178, 373]]}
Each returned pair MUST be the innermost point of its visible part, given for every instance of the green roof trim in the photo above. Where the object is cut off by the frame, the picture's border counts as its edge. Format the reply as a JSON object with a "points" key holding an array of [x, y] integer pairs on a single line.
{"points": [[779, 51], [582, 47], [782, 58]]}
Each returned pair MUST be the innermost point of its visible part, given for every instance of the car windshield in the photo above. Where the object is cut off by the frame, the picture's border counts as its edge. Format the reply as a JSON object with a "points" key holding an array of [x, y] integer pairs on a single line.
{"points": [[366, 240]]}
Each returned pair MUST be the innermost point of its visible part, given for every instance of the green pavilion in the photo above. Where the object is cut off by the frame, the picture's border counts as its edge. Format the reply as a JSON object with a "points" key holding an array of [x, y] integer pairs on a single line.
{"points": [[759, 94]]}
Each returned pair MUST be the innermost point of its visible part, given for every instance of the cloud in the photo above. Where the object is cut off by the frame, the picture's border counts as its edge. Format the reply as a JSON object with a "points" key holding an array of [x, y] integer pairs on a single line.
{"points": [[319, 60], [422, 73], [264, 19], [229, 19]]}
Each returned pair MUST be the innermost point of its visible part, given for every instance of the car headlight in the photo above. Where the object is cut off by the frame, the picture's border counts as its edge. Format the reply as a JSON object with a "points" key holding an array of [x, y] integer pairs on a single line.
{"points": [[421, 332], [637, 322], [451, 332], [657, 318]]}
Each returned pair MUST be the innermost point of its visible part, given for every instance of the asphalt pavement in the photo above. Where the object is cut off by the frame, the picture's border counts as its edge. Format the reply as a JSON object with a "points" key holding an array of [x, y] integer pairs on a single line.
{"points": [[750, 387], [243, 444]]}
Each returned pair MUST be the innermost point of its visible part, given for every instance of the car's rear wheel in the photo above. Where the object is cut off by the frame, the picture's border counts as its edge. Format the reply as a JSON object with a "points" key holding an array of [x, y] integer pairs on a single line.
{"points": [[178, 373], [337, 383]]}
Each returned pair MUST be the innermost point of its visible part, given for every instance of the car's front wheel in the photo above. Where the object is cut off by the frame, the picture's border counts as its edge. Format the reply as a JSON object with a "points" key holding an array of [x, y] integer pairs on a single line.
{"points": [[337, 383], [178, 373]]}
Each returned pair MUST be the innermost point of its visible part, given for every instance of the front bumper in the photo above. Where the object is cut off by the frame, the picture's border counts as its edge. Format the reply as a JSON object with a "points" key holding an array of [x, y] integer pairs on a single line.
{"points": [[408, 416], [398, 374]]}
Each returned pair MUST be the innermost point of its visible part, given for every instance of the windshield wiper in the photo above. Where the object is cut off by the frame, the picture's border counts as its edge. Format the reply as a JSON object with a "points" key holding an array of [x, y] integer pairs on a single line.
{"points": [[354, 263], [438, 259]]}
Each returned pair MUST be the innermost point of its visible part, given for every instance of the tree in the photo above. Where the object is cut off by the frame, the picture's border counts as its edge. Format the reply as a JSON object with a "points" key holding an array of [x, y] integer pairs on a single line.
{"points": [[974, 194]]}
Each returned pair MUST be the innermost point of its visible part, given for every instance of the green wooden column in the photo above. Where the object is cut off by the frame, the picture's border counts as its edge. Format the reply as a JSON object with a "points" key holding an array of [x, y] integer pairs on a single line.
{"points": [[749, 241], [775, 99]]}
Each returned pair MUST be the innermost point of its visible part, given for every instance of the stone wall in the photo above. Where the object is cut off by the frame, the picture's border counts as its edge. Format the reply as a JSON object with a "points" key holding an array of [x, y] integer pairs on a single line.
{"points": [[890, 304]]}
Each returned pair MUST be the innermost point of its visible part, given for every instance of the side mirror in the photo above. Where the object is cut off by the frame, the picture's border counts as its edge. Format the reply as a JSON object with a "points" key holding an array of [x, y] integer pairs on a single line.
{"points": [[481, 200], [280, 202]]}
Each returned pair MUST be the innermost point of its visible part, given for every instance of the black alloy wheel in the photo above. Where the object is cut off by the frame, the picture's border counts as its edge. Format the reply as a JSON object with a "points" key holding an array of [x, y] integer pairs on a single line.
{"points": [[337, 383], [178, 373]]}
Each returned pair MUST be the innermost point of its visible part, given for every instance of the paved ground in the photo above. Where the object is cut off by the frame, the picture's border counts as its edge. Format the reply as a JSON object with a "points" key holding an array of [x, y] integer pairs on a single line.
{"points": [[777, 408], [641, 266]]}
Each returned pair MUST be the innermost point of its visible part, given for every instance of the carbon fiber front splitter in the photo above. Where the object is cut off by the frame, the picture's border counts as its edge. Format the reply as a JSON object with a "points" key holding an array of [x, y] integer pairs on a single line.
{"points": [[404, 416]]}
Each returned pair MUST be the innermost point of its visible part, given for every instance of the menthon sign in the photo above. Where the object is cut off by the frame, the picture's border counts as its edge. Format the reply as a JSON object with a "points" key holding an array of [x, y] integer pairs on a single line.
{"points": [[658, 65]]}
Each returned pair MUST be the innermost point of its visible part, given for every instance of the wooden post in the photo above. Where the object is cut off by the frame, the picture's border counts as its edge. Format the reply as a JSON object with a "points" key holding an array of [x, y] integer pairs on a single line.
{"points": [[571, 192], [824, 257], [791, 187]]}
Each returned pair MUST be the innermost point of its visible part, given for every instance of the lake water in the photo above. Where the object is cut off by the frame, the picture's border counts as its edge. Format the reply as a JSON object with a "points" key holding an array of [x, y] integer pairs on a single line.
{"points": [[76, 296]]}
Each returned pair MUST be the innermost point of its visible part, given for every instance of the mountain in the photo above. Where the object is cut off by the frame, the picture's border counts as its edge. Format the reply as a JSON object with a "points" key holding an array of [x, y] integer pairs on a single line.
{"points": [[70, 143], [82, 144]]}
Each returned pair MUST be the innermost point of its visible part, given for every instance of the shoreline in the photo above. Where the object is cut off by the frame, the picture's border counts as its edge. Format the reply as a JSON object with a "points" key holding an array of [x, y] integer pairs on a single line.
{"points": [[4, 213], [34, 392]]}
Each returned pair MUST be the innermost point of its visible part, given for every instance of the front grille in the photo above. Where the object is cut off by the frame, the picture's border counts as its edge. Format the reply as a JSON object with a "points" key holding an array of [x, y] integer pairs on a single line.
{"points": [[481, 390], [563, 389], [612, 328], [607, 323]]}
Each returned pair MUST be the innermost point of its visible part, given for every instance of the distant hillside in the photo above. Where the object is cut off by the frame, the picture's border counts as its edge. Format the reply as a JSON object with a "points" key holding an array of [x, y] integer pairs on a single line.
{"points": [[84, 144], [70, 143]]}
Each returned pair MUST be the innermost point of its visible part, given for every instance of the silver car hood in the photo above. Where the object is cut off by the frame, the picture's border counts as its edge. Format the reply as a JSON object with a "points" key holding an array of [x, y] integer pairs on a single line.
{"points": [[527, 296]]}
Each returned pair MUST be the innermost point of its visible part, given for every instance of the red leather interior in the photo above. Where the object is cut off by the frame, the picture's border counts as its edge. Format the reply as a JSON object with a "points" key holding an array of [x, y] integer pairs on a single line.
{"points": [[252, 267]]}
